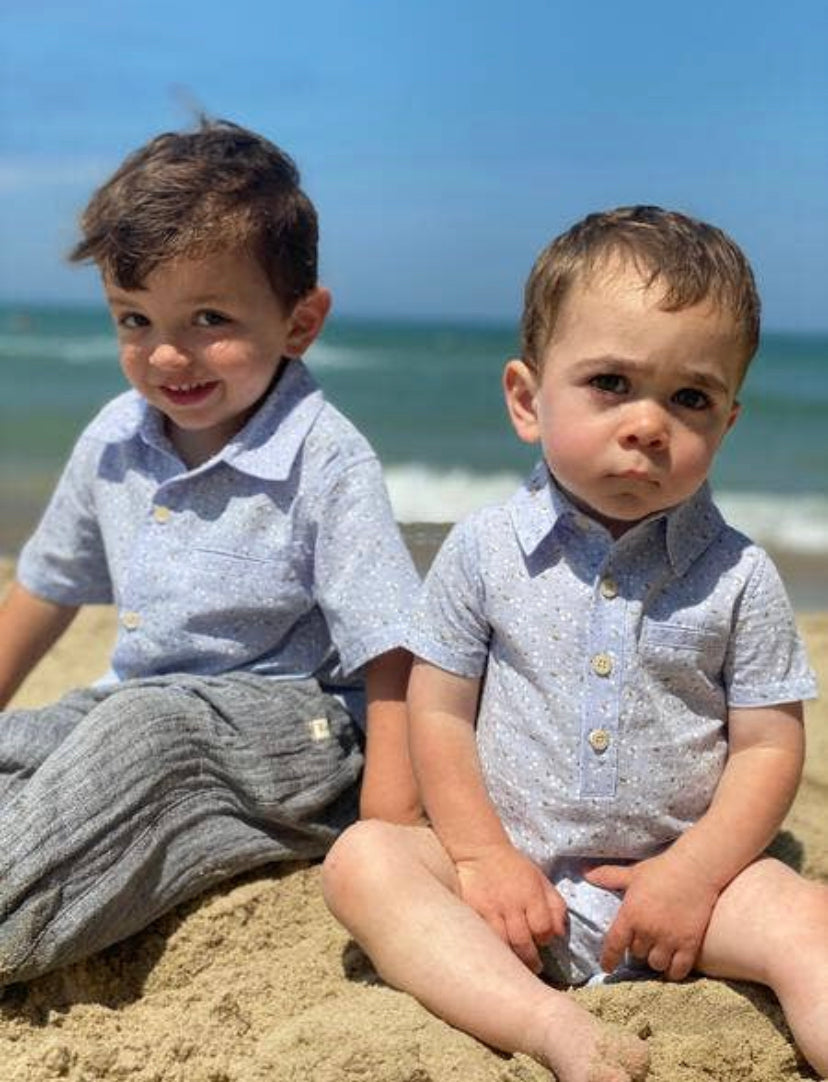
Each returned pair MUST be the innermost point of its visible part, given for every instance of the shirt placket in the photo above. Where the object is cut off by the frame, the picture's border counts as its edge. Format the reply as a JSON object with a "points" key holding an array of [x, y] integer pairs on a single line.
{"points": [[599, 731], [151, 545]]}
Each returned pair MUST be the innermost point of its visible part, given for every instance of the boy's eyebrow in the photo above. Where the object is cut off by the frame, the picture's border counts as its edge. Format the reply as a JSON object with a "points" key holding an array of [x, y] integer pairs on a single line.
{"points": [[114, 297], [123, 298], [696, 377]]}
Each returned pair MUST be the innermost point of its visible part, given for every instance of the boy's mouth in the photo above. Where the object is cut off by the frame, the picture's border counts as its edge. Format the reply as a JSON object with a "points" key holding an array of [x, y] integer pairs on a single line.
{"points": [[187, 394], [642, 476]]}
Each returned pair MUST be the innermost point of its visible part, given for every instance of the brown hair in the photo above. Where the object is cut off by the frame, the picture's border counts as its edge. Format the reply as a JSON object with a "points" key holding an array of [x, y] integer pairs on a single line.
{"points": [[192, 194], [691, 260]]}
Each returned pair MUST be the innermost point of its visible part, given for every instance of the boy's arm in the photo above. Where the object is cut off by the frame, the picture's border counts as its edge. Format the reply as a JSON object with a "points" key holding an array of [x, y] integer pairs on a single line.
{"points": [[669, 898], [389, 790], [506, 888], [29, 625]]}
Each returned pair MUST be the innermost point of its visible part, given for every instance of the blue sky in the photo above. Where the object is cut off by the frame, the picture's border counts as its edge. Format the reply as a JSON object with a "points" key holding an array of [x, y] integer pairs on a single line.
{"points": [[443, 141]]}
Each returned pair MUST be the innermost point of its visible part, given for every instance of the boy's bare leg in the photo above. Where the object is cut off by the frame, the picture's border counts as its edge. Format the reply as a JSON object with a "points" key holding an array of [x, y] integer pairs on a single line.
{"points": [[395, 889], [771, 926]]}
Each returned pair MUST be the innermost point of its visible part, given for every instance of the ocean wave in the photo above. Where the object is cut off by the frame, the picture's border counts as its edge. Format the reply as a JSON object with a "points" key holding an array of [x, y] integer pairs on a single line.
{"points": [[423, 494], [91, 349], [327, 355], [784, 523], [797, 524]]}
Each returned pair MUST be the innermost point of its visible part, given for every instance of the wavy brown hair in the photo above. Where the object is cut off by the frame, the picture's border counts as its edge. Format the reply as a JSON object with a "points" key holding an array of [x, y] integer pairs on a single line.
{"points": [[192, 194], [689, 260]]}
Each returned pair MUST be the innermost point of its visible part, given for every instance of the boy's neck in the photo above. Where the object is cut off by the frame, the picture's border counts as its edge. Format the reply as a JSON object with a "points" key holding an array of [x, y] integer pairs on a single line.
{"points": [[615, 527]]}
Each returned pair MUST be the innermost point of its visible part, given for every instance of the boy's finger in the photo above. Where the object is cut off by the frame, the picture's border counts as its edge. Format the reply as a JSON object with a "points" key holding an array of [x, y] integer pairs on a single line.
{"points": [[680, 966], [616, 944], [543, 920], [557, 907], [610, 876], [660, 958], [522, 943], [642, 947]]}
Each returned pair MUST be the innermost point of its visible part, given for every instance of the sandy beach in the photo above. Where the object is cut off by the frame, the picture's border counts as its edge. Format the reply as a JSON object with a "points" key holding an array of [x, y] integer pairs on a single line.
{"points": [[257, 983]]}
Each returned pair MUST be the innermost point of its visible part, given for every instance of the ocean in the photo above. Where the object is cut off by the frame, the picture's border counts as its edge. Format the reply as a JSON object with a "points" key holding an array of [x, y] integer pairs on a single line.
{"points": [[428, 397]]}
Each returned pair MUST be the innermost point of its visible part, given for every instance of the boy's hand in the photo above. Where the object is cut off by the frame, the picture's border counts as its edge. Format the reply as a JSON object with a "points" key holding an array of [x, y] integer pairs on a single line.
{"points": [[664, 915], [515, 899]]}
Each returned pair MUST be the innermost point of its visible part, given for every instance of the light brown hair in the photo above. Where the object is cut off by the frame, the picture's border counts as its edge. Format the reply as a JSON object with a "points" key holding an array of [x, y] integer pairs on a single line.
{"points": [[192, 194], [689, 260]]}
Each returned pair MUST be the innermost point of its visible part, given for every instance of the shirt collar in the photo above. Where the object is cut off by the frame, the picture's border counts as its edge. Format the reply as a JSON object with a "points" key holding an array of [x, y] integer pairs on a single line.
{"points": [[691, 528], [290, 408], [539, 509]]}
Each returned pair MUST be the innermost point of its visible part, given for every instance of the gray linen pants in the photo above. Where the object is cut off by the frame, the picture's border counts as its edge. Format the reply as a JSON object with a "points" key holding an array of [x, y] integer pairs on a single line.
{"points": [[118, 803]]}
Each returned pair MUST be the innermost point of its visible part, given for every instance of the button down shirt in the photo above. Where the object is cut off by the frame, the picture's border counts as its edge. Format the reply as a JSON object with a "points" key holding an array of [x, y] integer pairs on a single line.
{"points": [[279, 556], [609, 665]]}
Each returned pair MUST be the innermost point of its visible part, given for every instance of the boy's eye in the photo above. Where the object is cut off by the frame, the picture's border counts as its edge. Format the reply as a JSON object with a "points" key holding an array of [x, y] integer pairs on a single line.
{"points": [[209, 318], [611, 383], [131, 320], [691, 399]]}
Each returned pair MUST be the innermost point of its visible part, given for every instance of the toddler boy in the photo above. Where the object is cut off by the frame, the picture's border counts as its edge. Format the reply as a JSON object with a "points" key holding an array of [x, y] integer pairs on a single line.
{"points": [[241, 527], [605, 708]]}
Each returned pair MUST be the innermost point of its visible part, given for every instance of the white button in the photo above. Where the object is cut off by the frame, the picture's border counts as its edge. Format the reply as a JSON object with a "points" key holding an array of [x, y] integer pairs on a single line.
{"points": [[602, 664], [609, 588], [131, 620], [161, 514], [599, 740]]}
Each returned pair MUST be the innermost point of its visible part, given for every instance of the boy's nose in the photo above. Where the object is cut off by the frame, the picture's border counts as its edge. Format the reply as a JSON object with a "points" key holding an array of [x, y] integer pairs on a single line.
{"points": [[168, 355], [645, 426]]}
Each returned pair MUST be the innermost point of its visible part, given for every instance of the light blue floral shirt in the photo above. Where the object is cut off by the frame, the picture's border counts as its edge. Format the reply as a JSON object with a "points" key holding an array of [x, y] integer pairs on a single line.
{"points": [[609, 665], [279, 556]]}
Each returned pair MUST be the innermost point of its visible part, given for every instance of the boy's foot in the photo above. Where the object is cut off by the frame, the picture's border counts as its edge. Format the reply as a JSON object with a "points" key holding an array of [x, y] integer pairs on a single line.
{"points": [[579, 1048]]}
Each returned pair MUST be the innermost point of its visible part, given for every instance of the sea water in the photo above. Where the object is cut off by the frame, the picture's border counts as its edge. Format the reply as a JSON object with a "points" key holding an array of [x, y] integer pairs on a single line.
{"points": [[428, 397]]}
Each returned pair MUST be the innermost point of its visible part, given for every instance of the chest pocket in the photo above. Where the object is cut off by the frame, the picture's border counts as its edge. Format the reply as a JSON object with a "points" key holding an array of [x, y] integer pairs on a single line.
{"points": [[246, 580], [681, 652]]}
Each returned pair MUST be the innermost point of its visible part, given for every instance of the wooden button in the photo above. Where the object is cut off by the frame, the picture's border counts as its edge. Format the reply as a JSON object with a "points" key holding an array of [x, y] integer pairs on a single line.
{"points": [[602, 664], [599, 740]]}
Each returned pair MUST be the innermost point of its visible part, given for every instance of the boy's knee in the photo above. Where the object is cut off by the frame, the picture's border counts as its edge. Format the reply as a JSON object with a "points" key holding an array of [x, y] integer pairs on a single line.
{"points": [[357, 858], [815, 906], [358, 848], [792, 905], [155, 724], [134, 708]]}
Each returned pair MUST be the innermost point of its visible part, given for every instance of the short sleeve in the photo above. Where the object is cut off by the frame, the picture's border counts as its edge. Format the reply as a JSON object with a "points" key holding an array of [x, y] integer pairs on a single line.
{"points": [[448, 626], [766, 663], [364, 577], [64, 560]]}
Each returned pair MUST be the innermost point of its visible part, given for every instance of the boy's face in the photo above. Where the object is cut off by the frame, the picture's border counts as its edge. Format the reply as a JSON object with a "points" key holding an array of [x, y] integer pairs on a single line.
{"points": [[203, 340], [631, 402]]}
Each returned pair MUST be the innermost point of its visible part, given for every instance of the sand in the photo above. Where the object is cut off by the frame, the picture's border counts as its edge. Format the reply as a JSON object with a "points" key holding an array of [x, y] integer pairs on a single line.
{"points": [[257, 983]]}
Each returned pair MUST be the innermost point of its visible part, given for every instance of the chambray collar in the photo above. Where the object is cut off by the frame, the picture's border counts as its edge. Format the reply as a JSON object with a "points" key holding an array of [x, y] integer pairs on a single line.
{"points": [[290, 408], [539, 508]]}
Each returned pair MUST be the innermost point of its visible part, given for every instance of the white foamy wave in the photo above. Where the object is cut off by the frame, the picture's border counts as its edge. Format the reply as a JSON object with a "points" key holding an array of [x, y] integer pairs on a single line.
{"points": [[89, 350], [795, 523], [324, 355], [421, 494]]}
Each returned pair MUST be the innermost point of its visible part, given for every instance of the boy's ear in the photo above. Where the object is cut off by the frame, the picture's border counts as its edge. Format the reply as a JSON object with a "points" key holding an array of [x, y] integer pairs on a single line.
{"points": [[736, 409], [520, 386], [306, 320]]}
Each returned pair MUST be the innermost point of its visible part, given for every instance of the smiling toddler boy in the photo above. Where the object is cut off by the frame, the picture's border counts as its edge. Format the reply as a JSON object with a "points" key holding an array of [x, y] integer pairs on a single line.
{"points": [[241, 527], [605, 708]]}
